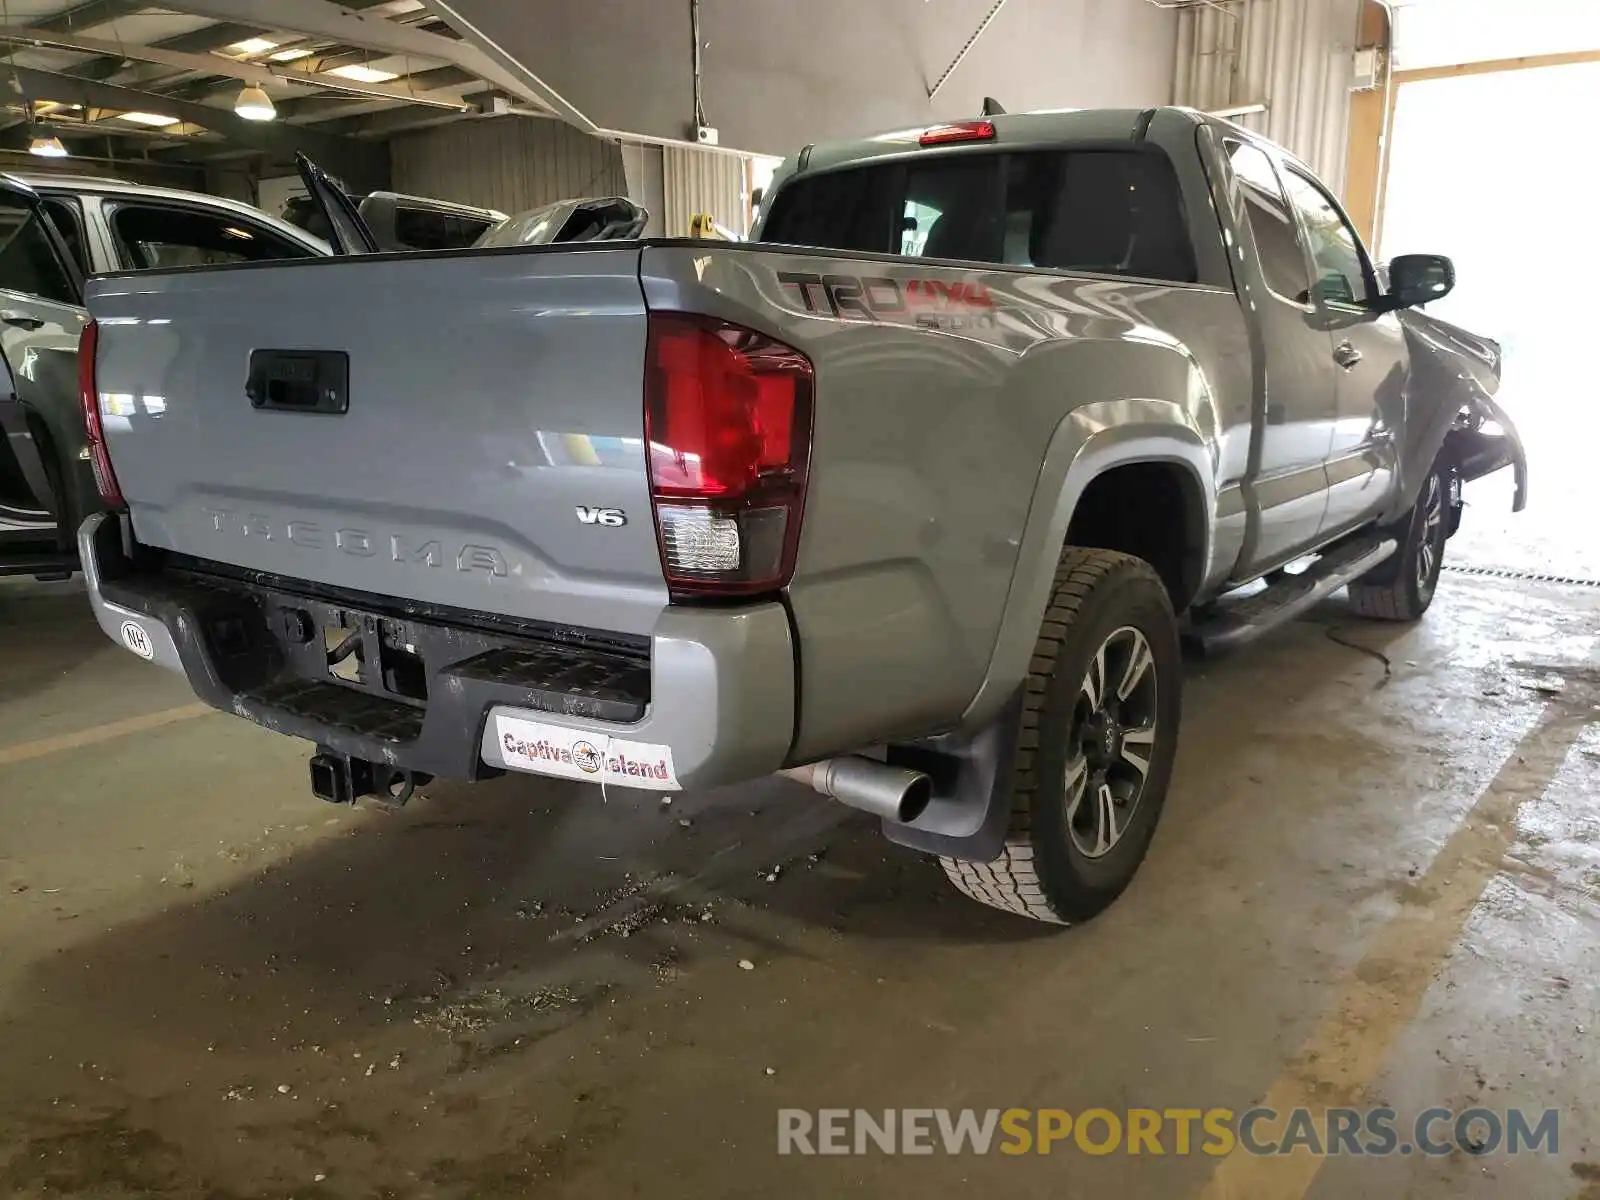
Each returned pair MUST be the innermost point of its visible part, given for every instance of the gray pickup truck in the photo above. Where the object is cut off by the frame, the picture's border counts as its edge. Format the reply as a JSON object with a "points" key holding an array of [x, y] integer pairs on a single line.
{"points": [[912, 498]]}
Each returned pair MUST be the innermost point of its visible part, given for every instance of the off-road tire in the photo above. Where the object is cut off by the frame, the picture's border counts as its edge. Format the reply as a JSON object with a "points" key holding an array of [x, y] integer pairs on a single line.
{"points": [[1402, 588], [1041, 873]]}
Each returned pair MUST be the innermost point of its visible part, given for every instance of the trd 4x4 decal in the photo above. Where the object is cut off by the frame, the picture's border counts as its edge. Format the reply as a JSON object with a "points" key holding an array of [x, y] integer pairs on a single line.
{"points": [[930, 302]]}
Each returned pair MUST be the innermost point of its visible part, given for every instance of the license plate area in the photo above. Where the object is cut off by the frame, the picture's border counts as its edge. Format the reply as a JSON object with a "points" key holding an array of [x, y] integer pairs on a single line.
{"points": [[352, 648], [357, 668], [366, 651]]}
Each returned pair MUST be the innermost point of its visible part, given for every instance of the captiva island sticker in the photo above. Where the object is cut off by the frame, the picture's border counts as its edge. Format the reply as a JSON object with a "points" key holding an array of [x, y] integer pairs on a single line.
{"points": [[570, 754]]}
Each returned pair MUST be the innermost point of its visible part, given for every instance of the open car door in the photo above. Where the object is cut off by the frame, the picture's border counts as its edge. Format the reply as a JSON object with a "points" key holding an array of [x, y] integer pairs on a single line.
{"points": [[347, 232], [44, 491], [17, 436]]}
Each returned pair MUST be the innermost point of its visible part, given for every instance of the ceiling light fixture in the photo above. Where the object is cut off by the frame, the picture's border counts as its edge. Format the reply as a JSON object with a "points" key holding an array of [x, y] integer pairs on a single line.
{"points": [[253, 45], [47, 147], [144, 118], [254, 104], [362, 73], [292, 53]]}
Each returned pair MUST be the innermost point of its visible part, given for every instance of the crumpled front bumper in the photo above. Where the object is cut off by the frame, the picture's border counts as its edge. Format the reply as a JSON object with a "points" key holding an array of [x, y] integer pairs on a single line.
{"points": [[1483, 451], [718, 705]]}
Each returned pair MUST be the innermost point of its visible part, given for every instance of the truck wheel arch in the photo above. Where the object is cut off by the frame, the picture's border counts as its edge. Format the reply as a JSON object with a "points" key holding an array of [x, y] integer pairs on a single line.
{"points": [[1089, 444]]}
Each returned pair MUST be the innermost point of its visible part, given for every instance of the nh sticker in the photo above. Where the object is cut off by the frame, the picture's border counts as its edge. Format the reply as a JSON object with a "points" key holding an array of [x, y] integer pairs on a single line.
{"points": [[136, 639]]}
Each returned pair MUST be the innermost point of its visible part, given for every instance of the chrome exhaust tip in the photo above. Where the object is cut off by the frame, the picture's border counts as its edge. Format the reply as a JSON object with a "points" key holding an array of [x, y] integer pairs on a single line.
{"points": [[894, 793]]}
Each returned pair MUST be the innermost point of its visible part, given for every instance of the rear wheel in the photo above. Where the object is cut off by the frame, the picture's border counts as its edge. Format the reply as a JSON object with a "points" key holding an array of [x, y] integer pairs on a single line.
{"points": [[1402, 588], [1094, 753]]}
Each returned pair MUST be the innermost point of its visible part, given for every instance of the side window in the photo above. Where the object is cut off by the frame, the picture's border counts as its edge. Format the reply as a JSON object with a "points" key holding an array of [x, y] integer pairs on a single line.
{"points": [[28, 261], [1341, 269], [423, 229], [150, 236], [1283, 261], [67, 217]]}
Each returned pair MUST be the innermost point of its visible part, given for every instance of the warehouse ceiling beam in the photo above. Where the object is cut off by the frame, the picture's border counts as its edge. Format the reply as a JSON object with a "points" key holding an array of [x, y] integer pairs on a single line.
{"points": [[193, 41], [340, 153], [392, 121], [508, 66], [216, 64], [315, 109], [95, 12], [317, 18], [1497, 66]]}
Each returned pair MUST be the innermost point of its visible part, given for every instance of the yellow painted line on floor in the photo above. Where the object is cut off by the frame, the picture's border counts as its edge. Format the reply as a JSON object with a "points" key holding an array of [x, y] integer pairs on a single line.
{"points": [[24, 751], [1348, 1049]]}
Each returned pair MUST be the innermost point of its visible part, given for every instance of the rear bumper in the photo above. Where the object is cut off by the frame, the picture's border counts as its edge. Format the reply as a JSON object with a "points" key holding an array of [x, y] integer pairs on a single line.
{"points": [[716, 704]]}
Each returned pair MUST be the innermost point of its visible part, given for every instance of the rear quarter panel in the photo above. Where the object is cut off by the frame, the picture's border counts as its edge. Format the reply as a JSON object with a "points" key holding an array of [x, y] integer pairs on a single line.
{"points": [[940, 391]]}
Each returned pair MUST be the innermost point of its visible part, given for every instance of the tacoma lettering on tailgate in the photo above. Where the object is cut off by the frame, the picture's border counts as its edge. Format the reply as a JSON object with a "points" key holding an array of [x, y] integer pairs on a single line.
{"points": [[360, 543]]}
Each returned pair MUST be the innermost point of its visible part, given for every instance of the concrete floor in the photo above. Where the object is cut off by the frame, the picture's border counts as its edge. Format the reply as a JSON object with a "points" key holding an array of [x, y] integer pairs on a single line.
{"points": [[1365, 889]]}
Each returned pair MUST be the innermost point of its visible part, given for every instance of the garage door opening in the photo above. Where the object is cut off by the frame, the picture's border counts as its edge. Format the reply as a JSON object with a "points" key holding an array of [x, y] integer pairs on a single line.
{"points": [[1484, 168]]}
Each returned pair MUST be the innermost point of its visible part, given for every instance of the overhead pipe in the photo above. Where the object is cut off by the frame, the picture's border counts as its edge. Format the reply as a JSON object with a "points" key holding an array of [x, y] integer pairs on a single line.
{"points": [[1237, 110], [699, 71], [965, 50]]}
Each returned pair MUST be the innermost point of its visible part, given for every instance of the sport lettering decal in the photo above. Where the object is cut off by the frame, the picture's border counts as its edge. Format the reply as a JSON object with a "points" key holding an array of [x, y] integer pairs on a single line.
{"points": [[576, 754], [935, 303]]}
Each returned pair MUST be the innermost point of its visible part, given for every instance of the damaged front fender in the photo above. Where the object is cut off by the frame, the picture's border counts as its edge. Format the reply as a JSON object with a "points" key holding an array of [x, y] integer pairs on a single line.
{"points": [[1450, 407]]}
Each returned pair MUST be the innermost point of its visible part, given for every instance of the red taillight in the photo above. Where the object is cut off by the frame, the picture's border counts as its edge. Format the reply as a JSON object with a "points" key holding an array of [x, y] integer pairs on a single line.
{"points": [[960, 131], [727, 419], [105, 479]]}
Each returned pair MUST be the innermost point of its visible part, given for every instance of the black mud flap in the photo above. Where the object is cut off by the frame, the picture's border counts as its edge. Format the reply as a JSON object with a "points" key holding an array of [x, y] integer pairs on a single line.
{"points": [[971, 807]]}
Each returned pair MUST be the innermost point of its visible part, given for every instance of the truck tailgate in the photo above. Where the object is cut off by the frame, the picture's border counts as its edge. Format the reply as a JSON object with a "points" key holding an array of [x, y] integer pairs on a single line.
{"points": [[471, 435]]}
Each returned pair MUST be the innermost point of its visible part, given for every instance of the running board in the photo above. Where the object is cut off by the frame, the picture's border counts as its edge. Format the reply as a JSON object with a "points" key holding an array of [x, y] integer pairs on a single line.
{"points": [[1243, 620], [51, 567]]}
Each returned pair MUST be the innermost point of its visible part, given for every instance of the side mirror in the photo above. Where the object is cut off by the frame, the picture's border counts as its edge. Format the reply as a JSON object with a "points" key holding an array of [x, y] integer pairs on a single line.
{"points": [[1418, 279]]}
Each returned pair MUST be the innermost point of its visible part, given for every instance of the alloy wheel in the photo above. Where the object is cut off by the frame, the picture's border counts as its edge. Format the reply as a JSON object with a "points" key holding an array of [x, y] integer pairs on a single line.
{"points": [[1432, 526], [1111, 742]]}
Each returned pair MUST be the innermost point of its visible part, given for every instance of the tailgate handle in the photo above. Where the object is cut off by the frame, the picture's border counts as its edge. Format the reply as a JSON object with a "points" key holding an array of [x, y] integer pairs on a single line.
{"points": [[22, 320], [303, 381]]}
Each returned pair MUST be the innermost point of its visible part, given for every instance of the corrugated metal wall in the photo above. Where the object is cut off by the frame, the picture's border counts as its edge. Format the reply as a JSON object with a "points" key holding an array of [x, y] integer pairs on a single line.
{"points": [[509, 163], [646, 183], [705, 181], [1294, 56]]}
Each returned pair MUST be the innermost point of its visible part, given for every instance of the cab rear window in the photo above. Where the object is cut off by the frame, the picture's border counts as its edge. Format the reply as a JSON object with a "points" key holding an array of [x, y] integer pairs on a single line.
{"points": [[1113, 212]]}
